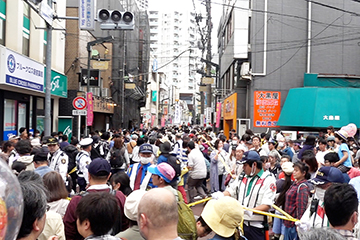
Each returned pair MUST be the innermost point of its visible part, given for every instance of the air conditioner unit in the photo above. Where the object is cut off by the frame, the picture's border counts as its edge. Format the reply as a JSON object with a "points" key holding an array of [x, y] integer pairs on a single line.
{"points": [[95, 91], [245, 69], [105, 92]]}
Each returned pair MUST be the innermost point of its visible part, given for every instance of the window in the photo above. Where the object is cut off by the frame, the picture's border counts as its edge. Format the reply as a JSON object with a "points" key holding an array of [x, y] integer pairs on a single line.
{"points": [[26, 30], [2, 21]]}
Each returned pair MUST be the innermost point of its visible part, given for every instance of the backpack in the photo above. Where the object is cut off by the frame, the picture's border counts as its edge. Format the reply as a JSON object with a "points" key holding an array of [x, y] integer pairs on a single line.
{"points": [[71, 151], [118, 223], [187, 224], [175, 163], [116, 158]]}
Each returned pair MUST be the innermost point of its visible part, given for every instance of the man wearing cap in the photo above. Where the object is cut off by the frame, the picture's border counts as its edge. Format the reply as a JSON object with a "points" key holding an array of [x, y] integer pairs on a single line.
{"points": [[254, 189], [41, 164], [82, 161], [314, 216], [140, 177], [162, 175], [131, 211], [99, 174], [57, 158], [272, 148], [332, 146]]}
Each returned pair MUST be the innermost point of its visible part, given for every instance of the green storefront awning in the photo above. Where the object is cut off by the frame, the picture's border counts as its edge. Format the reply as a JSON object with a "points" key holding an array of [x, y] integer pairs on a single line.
{"points": [[321, 107]]}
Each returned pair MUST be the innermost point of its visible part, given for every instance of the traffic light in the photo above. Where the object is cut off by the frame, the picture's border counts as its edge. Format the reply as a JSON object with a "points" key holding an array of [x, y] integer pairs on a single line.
{"points": [[114, 19]]}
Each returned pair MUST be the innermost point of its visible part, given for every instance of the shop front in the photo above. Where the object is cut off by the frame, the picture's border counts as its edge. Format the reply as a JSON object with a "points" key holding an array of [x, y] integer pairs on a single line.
{"points": [[22, 92], [230, 114], [103, 112]]}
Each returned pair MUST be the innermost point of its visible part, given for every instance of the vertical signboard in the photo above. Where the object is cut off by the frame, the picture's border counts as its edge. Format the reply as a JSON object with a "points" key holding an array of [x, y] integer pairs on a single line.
{"points": [[90, 109], [218, 114], [87, 14], [266, 108], [177, 115], [65, 126]]}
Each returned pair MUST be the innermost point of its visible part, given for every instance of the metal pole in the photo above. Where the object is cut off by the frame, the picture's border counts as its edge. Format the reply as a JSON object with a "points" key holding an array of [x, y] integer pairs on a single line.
{"points": [[208, 56], [157, 98], [88, 82], [123, 84], [47, 122]]}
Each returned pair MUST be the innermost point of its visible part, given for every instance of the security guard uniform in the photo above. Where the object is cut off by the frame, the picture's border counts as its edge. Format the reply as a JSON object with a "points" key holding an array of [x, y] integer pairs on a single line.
{"points": [[253, 191], [59, 162], [82, 161]]}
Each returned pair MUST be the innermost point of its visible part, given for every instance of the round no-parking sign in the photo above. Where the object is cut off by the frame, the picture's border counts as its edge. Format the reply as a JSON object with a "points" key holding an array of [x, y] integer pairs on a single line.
{"points": [[79, 103]]}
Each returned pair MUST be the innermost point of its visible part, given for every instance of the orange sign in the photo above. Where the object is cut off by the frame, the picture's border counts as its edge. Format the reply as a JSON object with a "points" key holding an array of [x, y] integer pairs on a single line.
{"points": [[266, 108]]}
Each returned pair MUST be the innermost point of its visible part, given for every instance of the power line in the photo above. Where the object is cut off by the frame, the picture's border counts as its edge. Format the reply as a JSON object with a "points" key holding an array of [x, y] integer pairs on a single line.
{"points": [[282, 65]]}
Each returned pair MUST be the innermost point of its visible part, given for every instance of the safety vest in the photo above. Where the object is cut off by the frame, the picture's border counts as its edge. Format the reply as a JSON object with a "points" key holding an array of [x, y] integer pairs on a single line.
{"points": [[133, 172], [263, 186]]}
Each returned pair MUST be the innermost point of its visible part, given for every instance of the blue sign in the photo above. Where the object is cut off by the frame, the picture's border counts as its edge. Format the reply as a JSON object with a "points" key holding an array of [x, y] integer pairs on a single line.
{"points": [[87, 14], [155, 65], [8, 134], [24, 72]]}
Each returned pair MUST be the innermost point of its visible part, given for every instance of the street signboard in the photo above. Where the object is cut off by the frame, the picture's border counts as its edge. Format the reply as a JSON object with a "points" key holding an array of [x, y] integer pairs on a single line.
{"points": [[87, 14], [202, 88], [79, 112], [207, 80], [79, 103]]}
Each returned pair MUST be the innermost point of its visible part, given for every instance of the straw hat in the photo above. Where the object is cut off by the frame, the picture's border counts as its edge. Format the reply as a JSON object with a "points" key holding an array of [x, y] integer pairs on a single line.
{"points": [[223, 216]]}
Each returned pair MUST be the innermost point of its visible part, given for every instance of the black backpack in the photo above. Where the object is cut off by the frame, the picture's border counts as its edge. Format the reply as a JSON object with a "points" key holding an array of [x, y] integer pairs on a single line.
{"points": [[71, 151], [116, 158], [175, 163]]}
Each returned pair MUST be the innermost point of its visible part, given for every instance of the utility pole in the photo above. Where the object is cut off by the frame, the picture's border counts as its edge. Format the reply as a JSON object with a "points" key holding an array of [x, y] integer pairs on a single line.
{"points": [[208, 56], [47, 120]]}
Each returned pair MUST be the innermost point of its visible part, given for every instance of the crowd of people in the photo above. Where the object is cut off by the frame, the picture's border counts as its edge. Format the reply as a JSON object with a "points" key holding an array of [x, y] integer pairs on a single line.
{"points": [[107, 185]]}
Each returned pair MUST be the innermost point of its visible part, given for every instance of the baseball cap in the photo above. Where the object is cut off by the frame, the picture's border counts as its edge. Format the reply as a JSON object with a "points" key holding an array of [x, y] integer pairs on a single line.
{"points": [[164, 170], [330, 138], [131, 204], [86, 142], [145, 148], [288, 168], [13, 137], [99, 167], [328, 174], [52, 141], [250, 155]]}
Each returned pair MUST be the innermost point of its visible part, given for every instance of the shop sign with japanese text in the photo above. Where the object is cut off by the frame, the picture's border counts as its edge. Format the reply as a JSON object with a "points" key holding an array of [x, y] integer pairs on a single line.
{"points": [[266, 108]]}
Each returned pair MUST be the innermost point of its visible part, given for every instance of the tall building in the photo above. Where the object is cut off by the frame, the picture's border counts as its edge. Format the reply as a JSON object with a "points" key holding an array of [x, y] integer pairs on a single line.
{"points": [[142, 4], [173, 46]]}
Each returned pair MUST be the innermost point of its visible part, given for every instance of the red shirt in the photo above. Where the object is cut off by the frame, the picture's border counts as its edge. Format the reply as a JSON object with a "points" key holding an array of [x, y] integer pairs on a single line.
{"points": [[71, 232], [296, 201]]}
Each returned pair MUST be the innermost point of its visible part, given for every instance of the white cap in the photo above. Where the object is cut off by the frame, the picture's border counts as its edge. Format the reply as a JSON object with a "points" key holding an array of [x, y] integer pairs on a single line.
{"points": [[131, 204], [86, 142], [35, 142]]}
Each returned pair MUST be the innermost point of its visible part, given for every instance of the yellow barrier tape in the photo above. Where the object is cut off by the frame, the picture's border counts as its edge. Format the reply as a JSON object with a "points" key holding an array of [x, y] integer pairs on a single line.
{"points": [[286, 216]]}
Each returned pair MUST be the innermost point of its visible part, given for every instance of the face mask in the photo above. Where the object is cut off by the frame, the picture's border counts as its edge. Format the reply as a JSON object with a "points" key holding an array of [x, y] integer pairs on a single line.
{"points": [[320, 193], [145, 160], [267, 165], [253, 169], [281, 144], [128, 137], [234, 142]]}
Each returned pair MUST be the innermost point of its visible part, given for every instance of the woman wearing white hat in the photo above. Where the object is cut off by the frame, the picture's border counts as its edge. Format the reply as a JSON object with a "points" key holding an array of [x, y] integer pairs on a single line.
{"points": [[224, 217]]}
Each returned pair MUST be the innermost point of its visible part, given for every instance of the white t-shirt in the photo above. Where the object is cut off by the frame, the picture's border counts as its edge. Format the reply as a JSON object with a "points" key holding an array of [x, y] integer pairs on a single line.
{"points": [[196, 161]]}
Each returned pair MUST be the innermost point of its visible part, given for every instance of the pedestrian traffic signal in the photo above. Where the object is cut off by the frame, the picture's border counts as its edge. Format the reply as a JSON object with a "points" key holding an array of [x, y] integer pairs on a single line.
{"points": [[114, 19]]}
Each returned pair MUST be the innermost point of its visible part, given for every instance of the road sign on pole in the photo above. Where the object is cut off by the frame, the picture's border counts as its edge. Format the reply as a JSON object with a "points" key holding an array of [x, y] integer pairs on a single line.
{"points": [[79, 103], [79, 112]]}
